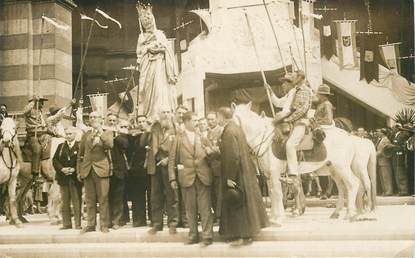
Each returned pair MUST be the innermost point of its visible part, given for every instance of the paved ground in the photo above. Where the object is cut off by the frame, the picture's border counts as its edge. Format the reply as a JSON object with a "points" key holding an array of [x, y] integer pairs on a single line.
{"points": [[311, 235]]}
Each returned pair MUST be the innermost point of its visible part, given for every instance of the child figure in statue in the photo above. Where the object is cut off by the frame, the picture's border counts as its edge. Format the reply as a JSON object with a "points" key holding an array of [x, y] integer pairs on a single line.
{"points": [[157, 67]]}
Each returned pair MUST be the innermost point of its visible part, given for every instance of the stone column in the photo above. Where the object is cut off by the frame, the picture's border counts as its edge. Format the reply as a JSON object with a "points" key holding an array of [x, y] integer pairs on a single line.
{"points": [[20, 23]]}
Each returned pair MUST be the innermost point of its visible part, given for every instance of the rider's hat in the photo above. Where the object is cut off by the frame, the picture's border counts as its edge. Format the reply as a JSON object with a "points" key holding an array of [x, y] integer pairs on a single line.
{"points": [[40, 98], [324, 90], [293, 77]]}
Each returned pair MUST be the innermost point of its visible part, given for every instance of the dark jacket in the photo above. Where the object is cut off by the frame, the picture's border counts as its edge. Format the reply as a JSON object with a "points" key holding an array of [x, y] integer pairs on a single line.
{"points": [[136, 154], [118, 155], [65, 157], [237, 165]]}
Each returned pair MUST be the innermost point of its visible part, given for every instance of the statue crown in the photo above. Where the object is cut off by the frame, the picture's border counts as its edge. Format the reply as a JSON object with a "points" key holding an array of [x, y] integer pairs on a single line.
{"points": [[144, 9]]}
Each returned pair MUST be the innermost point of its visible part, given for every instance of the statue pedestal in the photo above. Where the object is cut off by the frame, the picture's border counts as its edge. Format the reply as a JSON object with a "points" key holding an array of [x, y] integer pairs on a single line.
{"points": [[20, 25]]}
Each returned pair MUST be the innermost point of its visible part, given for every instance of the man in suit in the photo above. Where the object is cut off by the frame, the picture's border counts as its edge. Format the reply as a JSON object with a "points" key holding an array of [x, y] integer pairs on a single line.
{"points": [[64, 162], [138, 180], [384, 163], [214, 133], [162, 195], [189, 155], [119, 169], [94, 168]]}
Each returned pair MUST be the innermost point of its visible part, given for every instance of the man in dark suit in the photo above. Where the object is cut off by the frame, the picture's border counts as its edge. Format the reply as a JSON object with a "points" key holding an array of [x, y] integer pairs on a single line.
{"points": [[242, 220], [189, 155], [214, 133], [64, 162], [384, 163], [162, 195], [119, 169], [138, 180], [94, 168]]}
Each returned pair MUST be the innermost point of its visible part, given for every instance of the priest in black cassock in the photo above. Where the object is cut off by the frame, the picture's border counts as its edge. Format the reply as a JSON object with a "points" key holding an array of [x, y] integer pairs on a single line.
{"points": [[243, 210]]}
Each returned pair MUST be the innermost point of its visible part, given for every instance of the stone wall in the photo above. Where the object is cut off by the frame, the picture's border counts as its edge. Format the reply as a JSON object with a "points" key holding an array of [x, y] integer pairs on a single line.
{"points": [[20, 44]]}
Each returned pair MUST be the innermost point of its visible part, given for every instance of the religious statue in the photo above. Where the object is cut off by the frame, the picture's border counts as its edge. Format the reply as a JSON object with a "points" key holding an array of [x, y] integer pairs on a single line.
{"points": [[157, 67]]}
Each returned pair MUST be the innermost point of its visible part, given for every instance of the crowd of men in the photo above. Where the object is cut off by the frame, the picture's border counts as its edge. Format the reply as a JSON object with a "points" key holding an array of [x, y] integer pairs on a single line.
{"points": [[180, 165], [171, 166]]}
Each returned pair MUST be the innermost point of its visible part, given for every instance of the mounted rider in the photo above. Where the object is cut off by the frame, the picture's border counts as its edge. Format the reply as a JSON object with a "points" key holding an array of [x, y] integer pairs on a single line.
{"points": [[295, 105], [36, 128], [324, 110], [40, 129]]}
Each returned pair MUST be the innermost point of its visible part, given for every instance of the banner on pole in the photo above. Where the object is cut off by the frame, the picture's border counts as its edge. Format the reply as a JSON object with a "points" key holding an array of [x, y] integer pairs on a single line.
{"points": [[369, 57], [99, 103], [390, 54], [346, 43]]}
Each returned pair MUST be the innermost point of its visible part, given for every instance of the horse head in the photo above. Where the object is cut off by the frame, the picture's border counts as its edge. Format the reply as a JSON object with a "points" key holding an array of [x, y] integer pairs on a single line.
{"points": [[253, 125], [8, 130]]}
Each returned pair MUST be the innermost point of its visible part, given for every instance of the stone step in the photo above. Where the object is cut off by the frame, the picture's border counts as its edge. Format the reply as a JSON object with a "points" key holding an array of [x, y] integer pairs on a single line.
{"points": [[130, 235], [393, 223], [257, 249]]}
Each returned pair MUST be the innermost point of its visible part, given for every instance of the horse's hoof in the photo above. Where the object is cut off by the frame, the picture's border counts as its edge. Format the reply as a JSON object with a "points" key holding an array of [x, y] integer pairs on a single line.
{"points": [[302, 211], [276, 222], [23, 219], [295, 213], [19, 224], [335, 215]]}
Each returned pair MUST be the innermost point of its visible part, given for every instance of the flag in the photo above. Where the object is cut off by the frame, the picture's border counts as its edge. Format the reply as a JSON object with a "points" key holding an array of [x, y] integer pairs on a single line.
{"points": [[84, 17], [308, 19], [108, 17], [326, 37], [99, 103], [369, 57], [346, 43], [291, 11], [54, 23], [390, 55]]}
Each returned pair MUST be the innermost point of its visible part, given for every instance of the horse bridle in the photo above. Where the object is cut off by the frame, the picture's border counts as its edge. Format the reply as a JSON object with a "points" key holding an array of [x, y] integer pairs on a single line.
{"points": [[10, 146], [264, 139]]}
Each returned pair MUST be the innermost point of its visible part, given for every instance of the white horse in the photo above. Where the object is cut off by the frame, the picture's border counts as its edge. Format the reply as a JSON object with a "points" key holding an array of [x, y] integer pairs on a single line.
{"points": [[10, 165], [344, 152]]}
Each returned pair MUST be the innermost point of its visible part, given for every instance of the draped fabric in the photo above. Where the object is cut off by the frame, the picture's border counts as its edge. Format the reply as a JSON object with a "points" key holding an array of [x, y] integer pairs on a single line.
{"points": [[403, 90], [369, 57]]}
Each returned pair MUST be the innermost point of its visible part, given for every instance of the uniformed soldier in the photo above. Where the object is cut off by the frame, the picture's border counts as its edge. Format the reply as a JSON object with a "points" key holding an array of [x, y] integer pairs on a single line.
{"points": [[36, 127]]}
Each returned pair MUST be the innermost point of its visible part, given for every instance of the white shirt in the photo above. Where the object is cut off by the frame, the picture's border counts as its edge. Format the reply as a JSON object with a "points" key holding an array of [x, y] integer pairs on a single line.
{"points": [[70, 144], [190, 135]]}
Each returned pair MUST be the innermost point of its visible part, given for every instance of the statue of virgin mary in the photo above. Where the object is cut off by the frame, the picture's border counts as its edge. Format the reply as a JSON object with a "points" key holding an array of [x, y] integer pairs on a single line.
{"points": [[158, 74]]}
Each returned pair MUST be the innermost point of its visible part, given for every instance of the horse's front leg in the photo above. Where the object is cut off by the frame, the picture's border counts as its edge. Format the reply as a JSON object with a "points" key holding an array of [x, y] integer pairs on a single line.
{"points": [[341, 191], [352, 186], [12, 201], [276, 194], [26, 180]]}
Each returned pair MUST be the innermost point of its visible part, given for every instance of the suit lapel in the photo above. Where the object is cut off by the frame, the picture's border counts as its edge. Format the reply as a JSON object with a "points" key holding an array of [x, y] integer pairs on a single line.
{"points": [[187, 144]]}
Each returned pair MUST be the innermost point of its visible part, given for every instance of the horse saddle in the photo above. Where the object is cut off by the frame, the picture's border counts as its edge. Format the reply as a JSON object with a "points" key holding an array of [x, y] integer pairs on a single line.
{"points": [[310, 149]]}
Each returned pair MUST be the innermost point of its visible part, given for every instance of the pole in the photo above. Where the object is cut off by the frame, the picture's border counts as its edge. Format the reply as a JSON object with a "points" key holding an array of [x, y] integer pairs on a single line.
{"points": [[81, 99], [39, 71], [275, 36], [302, 33], [264, 79], [84, 54]]}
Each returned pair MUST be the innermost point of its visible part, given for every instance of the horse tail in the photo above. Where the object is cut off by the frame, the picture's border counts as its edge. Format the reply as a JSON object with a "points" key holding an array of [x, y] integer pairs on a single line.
{"points": [[372, 174]]}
